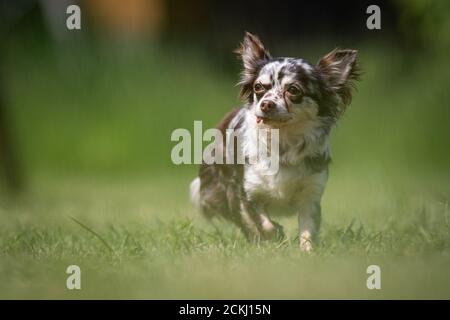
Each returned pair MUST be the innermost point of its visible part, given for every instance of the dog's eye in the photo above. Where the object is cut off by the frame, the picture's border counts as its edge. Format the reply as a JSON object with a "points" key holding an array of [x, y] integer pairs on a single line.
{"points": [[295, 91], [258, 87]]}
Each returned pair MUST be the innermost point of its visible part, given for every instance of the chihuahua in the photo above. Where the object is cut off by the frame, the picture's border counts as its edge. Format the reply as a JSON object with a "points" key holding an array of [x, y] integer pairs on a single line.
{"points": [[303, 102]]}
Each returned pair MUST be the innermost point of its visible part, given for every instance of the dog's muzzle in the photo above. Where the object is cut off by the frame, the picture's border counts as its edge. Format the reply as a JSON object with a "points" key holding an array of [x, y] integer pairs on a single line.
{"points": [[268, 112]]}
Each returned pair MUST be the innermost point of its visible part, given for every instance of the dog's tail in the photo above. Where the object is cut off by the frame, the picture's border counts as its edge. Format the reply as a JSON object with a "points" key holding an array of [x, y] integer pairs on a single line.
{"points": [[194, 192]]}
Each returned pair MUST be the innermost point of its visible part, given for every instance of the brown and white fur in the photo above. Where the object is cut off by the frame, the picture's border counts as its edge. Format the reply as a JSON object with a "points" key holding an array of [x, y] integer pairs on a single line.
{"points": [[301, 100]]}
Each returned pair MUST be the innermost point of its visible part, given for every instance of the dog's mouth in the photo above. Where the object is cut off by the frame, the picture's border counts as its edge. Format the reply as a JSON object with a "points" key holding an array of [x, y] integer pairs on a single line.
{"points": [[259, 119], [271, 120]]}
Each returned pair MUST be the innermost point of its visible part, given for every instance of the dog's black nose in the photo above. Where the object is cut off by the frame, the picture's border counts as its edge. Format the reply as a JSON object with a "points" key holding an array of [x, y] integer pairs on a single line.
{"points": [[266, 105]]}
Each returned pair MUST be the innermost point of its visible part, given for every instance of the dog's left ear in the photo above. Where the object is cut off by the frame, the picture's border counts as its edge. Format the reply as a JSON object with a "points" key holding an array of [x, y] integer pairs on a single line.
{"points": [[339, 68], [252, 53]]}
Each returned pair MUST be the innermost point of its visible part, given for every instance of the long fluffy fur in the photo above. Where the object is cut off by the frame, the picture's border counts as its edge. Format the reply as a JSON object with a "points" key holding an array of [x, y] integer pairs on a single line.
{"points": [[244, 193]]}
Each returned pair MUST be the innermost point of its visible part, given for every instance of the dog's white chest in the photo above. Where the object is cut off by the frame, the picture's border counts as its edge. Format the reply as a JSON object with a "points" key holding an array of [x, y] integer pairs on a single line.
{"points": [[281, 185]]}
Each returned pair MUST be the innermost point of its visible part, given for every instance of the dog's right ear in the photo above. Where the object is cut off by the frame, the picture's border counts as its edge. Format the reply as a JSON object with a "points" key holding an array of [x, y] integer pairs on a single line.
{"points": [[252, 51], [253, 54]]}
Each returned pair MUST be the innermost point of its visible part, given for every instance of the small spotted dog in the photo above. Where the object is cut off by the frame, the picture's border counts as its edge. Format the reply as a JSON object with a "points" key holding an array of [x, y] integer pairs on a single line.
{"points": [[303, 101]]}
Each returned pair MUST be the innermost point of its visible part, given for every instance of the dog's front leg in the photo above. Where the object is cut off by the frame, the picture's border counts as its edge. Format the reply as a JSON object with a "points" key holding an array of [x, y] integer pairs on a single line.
{"points": [[309, 217], [257, 224]]}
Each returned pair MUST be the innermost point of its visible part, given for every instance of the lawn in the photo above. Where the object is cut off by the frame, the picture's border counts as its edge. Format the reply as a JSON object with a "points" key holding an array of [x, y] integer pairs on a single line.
{"points": [[158, 247], [102, 193]]}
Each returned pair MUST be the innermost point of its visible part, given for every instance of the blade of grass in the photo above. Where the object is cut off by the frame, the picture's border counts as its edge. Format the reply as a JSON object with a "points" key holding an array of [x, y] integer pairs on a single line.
{"points": [[95, 234]]}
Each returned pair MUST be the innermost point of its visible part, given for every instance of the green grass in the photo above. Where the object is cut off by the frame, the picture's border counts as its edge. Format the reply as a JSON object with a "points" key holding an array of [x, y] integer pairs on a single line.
{"points": [[103, 194], [146, 244]]}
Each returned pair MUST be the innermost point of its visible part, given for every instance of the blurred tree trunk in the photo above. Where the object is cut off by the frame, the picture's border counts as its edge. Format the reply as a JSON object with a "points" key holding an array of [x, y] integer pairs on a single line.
{"points": [[8, 158], [10, 171]]}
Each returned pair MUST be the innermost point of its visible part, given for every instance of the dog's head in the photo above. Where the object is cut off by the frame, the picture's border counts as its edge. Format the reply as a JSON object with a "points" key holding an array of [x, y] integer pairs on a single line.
{"points": [[287, 91]]}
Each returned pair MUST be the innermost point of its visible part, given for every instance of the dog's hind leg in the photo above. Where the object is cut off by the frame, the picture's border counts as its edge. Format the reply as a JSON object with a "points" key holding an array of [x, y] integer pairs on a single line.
{"points": [[249, 225]]}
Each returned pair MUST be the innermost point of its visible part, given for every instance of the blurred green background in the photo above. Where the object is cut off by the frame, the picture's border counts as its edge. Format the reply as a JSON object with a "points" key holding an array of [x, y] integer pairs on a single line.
{"points": [[98, 101], [86, 118]]}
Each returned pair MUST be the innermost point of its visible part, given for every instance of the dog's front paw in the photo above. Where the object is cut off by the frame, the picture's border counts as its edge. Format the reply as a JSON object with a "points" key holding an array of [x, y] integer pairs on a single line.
{"points": [[306, 246], [306, 242], [275, 233]]}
